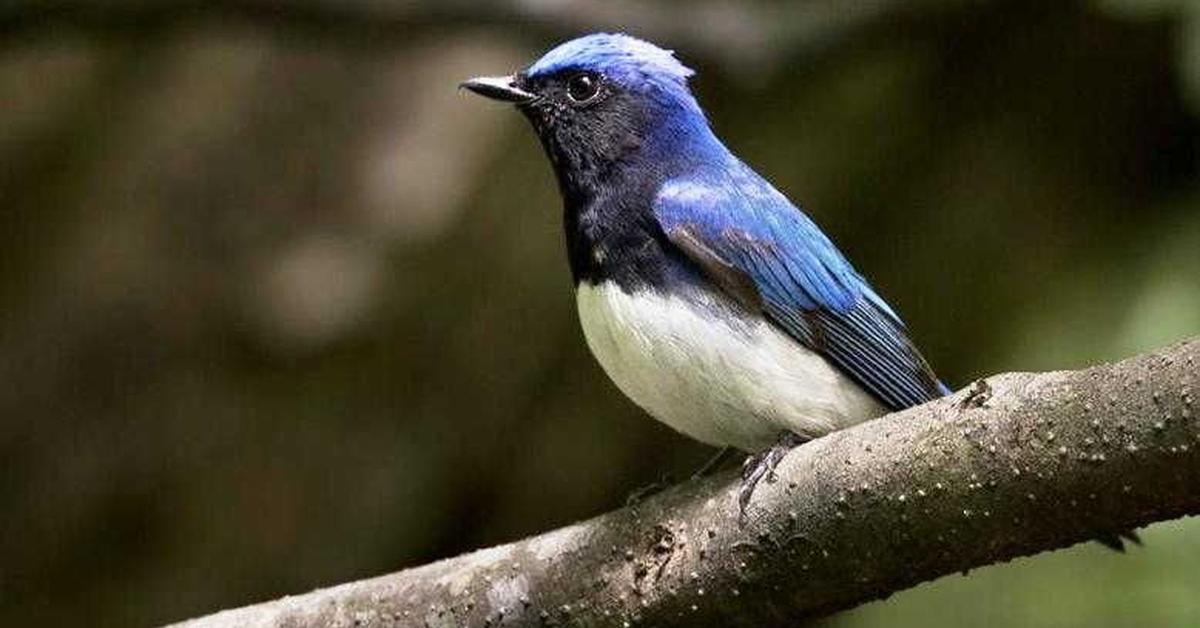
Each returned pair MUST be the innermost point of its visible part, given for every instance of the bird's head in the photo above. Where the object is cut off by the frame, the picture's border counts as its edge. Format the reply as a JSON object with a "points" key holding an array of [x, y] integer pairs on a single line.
{"points": [[601, 100]]}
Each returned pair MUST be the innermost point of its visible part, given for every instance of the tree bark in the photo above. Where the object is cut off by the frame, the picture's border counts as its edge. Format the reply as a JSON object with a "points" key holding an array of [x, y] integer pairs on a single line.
{"points": [[1018, 464]]}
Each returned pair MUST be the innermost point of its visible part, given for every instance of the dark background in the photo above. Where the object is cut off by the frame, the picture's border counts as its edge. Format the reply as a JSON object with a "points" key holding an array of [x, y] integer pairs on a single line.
{"points": [[282, 308]]}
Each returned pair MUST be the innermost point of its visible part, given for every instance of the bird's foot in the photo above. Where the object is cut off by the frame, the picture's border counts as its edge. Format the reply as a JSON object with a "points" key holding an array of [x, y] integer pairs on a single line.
{"points": [[762, 465], [714, 463], [978, 396]]}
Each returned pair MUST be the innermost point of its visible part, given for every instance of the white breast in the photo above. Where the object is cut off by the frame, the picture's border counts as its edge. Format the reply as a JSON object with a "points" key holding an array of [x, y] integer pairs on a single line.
{"points": [[717, 376]]}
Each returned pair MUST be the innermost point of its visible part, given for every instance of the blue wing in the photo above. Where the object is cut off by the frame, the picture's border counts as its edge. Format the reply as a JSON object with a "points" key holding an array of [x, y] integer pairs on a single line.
{"points": [[764, 251]]}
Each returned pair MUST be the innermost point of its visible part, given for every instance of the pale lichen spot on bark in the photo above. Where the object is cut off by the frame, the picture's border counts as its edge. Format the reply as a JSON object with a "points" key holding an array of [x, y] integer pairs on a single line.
{"points": [[508, 594], [558, 542], [461, 577]]}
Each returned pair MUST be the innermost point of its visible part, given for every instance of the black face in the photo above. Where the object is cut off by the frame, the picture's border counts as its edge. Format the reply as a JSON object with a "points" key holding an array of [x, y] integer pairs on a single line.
{"points": [[587, 123]]}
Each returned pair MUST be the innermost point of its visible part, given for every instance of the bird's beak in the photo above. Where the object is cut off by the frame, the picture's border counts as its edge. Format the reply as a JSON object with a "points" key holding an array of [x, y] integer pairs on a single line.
{"points": [[502, 88]]}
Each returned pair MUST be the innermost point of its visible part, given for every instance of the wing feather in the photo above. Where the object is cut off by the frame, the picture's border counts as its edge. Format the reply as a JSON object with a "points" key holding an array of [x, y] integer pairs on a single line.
{"points": [[767, 254]]}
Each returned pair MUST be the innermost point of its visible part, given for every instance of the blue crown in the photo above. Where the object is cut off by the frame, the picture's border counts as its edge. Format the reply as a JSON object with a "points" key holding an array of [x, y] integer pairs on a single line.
{"points": [[614, 54]]}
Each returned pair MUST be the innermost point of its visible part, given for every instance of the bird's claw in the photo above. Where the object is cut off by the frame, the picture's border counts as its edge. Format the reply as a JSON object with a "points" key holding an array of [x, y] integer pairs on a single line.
{"points": [[980, 393], [762, 465]]}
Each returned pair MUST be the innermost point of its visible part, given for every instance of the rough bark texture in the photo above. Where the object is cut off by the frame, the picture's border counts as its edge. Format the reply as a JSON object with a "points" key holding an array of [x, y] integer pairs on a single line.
{"points": [[1020, 464]]}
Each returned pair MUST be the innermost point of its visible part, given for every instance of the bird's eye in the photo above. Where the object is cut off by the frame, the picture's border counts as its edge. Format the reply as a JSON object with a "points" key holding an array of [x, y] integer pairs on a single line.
{"points": [[583, 86]]}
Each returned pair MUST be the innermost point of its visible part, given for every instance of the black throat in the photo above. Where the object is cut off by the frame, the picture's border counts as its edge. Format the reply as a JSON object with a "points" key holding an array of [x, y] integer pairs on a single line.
{"points": [[608, 184], [612, 234]]}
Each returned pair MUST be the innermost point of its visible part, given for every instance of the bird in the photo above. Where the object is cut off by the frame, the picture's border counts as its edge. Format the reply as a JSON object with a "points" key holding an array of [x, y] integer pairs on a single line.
{"points": [[712, 301]]}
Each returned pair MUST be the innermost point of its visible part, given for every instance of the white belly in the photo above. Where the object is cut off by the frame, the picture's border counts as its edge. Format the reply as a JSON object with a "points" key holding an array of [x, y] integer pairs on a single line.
{"points": [[724, 380]]}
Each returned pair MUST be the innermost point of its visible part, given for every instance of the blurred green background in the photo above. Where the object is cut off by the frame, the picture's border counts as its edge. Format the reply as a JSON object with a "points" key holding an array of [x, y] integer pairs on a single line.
{"points": [[282, 308]]}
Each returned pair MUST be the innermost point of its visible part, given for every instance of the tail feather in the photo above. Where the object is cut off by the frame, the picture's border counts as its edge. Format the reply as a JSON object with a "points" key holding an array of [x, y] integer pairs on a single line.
{"points": [[1116, 541]]}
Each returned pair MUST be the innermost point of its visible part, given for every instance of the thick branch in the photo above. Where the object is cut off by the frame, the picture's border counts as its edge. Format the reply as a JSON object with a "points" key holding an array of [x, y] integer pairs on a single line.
{"points": [[1041, 462]]}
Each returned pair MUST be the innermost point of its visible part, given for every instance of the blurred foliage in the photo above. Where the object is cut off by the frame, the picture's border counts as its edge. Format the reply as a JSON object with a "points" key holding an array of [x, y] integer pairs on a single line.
{"points": [[282, 309]]}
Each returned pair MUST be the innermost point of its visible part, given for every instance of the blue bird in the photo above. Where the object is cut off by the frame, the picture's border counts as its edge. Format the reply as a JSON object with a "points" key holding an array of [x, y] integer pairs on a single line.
{"points": [[710, 299]]}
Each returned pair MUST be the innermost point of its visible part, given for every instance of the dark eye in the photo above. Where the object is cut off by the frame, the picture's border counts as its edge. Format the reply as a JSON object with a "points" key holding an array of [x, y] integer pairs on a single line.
{"points": [[583, 86]]}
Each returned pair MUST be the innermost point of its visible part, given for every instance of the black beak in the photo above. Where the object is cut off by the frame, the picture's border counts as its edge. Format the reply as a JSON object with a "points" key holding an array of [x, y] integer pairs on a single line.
{"points": [[502, 88]]}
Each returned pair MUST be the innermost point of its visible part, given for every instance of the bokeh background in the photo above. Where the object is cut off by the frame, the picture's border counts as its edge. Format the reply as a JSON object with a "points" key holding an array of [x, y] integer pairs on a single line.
{"points": [[282, 308]]}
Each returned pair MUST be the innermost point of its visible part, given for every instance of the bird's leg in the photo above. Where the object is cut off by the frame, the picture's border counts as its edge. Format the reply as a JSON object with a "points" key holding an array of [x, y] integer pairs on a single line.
{"points": [[714, 463], [762, 465], [658, 486], [648, 490]]}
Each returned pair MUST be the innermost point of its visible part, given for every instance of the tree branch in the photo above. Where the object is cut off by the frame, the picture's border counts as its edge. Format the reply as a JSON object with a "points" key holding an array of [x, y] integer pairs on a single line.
{"points": [[1023, 464]]}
